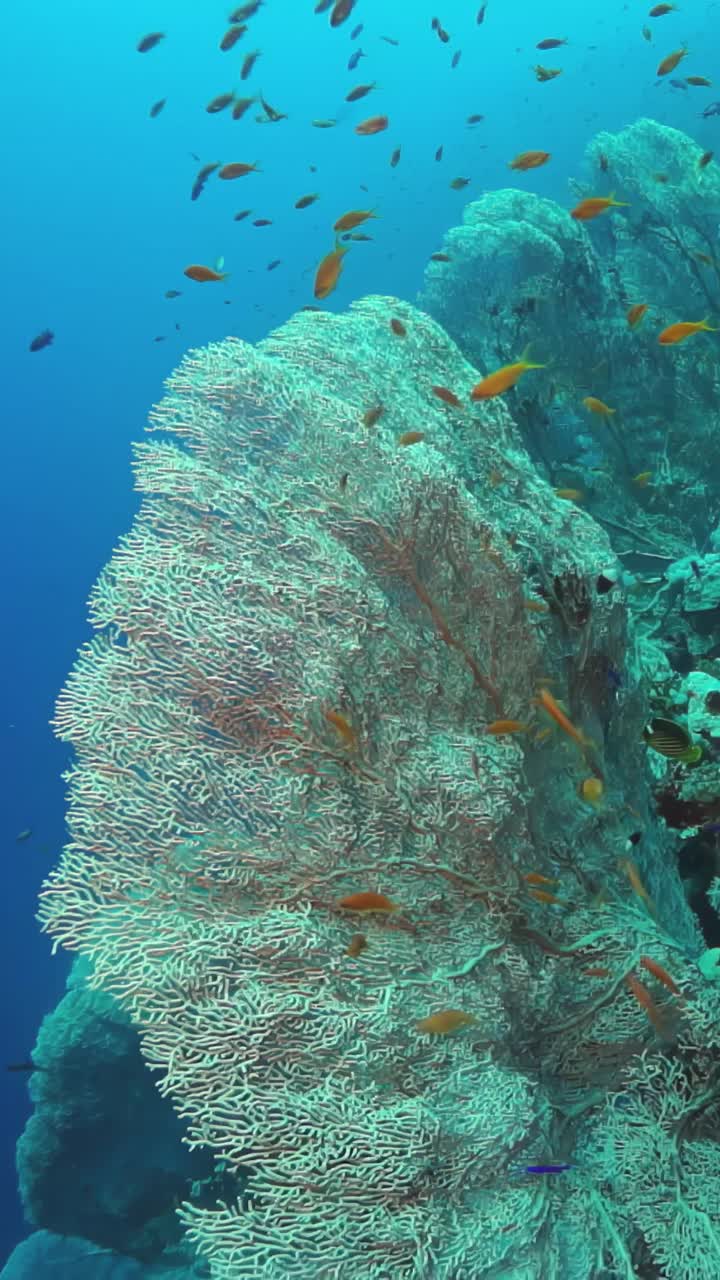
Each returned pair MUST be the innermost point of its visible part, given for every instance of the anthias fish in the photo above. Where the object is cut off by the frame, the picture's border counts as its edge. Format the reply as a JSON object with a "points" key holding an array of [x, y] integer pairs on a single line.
{"points": [[203, 275], [593, 206], [682, 330], [150, 41]]}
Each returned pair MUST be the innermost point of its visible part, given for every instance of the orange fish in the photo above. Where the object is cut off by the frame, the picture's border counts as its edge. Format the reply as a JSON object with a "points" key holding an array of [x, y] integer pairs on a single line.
{"points": [[705, 159], [546, 73], [661, 974], [570, 495], [633, 875], [368, 901], [411, 437], [447, 396], [542, 895], [204, 274], [360, 91], [669, 64], [536, 606], [502, 379], [534, 877], [373, 124], [684, 329], [353, 219], [634, 314], [645, 1000], [701, 82], [240, 106], [237, 170], [343, 727], [546, 700], [329, 271], [592, 206], [357, 945], [447, 1020], [501, 727], [598, 406], [398, 327], [529, 160], [305, 201], [596, 972]]}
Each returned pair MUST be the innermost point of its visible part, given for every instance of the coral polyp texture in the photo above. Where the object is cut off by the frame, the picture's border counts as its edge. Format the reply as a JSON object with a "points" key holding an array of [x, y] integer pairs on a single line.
{"points": [[306, 647]]}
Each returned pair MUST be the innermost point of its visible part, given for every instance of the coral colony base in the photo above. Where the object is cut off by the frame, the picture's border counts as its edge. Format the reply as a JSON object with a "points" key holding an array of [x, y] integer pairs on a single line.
{"points": [[395, 805]]}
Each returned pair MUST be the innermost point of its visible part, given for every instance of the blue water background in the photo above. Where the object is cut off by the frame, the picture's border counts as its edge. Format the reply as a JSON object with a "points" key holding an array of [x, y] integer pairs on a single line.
{"points": [[98, 224]]}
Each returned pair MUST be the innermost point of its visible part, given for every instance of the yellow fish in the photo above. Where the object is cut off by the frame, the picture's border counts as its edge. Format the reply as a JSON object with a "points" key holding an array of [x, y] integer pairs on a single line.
{"points": [[570, 495], [447, 1020], [503, 379], [684, 329], [598, 406]]}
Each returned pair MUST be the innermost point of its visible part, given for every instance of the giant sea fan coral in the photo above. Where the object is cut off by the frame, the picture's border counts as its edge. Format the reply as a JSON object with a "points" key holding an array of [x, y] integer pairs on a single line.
{"points": [[289, 561]]}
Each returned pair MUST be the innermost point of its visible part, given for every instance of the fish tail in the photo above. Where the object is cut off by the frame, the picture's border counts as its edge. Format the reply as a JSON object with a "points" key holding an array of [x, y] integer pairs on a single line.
{"points": [[708, 327]]}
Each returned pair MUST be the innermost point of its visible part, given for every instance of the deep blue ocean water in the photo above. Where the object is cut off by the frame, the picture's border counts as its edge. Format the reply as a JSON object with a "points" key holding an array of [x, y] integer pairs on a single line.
{"points": [[98, 224]]}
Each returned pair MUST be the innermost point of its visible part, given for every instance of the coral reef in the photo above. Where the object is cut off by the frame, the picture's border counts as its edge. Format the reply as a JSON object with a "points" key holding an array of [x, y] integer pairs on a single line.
{"points": [[306, 648], [101, 1157]]}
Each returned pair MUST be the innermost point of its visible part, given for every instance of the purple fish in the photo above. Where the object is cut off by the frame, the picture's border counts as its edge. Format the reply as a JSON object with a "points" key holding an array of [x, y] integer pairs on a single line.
{"points": [[148, 42], [712, 110], [546, 1168], [355, 58]]}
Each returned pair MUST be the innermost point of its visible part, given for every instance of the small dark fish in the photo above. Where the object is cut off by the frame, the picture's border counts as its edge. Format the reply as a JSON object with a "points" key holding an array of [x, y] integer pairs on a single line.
{"points": [[245, 11], [550, 44], [456, 58], [440, 257], [322, 6], [202, 178], [481, 15], [678, 84], [603, 162], [323, 124], [42, 340], [373, 416], [23, 835], [695, 568], [262, 222], [360, 91], [270, 112], [160, 338], [341, 12], [457, 184], [240, 107], [355, 235], [173, 293], [356, 31], [244, 213], [309, 307], [249, 63], [231, 37], [355, 58], [222, 101], [149, 41], [23, 1066], [474, 119], [304, 201], [395, 158], [442, 34], [398, 327], [704, 160], [547, 1168], [604, 584], [389, 40], [345, 474], [272, 265], [438, 153], [156, 108], [712, 110]]}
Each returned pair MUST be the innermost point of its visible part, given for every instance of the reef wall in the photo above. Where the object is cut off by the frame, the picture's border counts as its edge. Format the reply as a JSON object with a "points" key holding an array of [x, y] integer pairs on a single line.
{"points": [[306, 649]]}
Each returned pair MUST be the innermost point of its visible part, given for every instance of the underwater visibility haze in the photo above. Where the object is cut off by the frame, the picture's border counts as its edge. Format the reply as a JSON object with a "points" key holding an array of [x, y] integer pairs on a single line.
{"points": [[362, 904]]}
